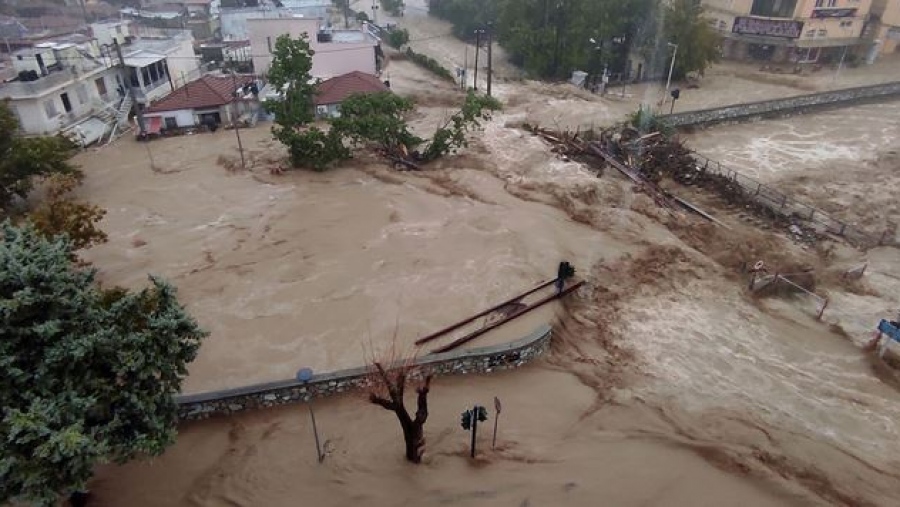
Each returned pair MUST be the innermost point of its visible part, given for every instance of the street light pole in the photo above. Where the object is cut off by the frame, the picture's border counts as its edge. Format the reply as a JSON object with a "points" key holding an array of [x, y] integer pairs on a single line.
{"points": [[671, 66], [304, 375]]}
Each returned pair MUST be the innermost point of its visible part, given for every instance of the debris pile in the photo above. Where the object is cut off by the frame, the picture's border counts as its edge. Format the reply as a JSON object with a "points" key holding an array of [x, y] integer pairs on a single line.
{"points": [[651, 158]]}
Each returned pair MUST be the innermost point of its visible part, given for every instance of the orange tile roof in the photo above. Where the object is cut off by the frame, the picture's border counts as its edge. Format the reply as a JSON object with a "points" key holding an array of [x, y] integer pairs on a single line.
{"points": [[336, 89], [208, 91]]}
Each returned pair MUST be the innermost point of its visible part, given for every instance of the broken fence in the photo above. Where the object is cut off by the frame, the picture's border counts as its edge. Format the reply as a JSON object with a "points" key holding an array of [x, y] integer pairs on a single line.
{"points": [[808, 214]]}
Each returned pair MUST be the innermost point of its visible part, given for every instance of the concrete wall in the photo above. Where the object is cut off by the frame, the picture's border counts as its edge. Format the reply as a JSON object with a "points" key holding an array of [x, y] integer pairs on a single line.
{"points": [[739, 112], [481, 360]]}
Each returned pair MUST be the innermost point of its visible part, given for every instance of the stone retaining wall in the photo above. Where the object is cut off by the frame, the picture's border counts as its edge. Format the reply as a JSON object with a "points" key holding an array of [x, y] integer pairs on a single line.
{"points": [[780, 107], [481, 360]]}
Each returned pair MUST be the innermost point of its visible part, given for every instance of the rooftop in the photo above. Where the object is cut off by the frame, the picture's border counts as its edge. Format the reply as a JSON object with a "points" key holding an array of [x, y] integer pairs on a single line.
{"points": [[336, 89], [206, 92]]}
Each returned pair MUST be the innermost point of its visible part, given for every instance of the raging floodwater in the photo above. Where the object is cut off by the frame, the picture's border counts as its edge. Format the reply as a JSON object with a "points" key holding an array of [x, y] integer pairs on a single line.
{"points": [[665, 385]]}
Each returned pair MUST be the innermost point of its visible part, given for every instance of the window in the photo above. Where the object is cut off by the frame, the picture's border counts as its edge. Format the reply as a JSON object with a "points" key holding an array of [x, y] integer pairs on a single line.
{"points": [[81, 91], [723, 25], [820, 3], [50, 108], [67, 105], [269, 43], [101, 86], [145, 73], [832, 3], [171, 122], [847, 23], [810, 33], [823, 33], [773, 8]]}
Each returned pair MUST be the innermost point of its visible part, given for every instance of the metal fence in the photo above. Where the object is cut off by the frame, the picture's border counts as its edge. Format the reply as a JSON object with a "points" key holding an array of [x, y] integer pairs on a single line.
{"points": [[783, 204]]}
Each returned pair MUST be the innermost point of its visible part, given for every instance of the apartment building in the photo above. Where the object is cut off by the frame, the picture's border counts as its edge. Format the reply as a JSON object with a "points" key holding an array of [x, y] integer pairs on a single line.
{"points": [[337, 52], [886, 27], [791, 31], [79, 87]]}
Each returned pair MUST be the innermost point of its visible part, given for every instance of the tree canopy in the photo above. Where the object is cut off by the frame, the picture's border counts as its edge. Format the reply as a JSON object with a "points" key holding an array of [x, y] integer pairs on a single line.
{"points": [[373, 118], [550, 39], [23, 159], [88, 374]]}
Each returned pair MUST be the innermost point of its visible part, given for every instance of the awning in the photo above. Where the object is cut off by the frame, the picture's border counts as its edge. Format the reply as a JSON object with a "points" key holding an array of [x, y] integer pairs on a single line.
{"points": [[143, 59]]}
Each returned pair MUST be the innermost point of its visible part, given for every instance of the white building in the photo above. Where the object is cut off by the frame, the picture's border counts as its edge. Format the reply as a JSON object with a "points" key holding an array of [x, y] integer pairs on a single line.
{"points": [[59, 85], [158, 62], [76, 86], [337, 52], [233, 21]]}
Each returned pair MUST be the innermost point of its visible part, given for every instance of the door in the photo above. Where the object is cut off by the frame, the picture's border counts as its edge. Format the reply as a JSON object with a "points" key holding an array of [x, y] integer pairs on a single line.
{"points": [[67, 105], [101, 87]]}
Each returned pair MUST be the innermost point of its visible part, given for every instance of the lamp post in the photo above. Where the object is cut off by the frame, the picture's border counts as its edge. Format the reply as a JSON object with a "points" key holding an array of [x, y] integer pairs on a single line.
{"points": [[375, 12], [304, 375], [672, 65]]}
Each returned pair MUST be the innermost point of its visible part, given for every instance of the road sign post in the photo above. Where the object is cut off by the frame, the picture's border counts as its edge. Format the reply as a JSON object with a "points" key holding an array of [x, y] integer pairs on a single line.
{"points": [[497, 408], [304, 375]]}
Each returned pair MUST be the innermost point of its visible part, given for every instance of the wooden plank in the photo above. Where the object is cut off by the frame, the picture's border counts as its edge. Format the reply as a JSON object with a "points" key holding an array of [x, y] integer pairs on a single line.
{"points": [[475, 334], [492, 309]]}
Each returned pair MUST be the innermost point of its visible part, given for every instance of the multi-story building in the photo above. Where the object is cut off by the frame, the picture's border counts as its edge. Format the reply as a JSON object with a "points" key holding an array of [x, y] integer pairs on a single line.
{"points": [[886, 27], [337, 52], [77, 86], [797, 31]]}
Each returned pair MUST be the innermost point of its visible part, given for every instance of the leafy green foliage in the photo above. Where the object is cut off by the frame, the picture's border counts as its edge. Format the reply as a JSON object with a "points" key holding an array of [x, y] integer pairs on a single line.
{"points": [[466, 15], [452, 135], [393, 7], [290, 73], [698, 43], [22, 159], [88, 374], [430, 64], [398, 37], [376, 118], [59, 213], [362, 17]]}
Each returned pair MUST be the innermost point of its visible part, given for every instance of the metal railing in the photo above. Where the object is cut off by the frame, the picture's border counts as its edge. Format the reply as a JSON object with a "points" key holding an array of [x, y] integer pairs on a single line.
{"points": [[783, 204]]}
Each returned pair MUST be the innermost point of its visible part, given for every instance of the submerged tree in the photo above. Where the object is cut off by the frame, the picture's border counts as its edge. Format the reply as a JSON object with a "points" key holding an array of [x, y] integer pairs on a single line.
{"points": [[294, 111], [387, 390], [89, 375]]}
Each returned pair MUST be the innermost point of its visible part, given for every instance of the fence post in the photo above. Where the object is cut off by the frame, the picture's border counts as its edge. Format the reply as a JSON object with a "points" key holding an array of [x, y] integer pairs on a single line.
{"points": [[758, 188], [822, 309]]}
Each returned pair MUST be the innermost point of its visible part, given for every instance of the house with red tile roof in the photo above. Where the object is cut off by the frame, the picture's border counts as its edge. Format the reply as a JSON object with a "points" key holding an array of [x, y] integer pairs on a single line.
{"points": [[208, 100], [331, 92]]}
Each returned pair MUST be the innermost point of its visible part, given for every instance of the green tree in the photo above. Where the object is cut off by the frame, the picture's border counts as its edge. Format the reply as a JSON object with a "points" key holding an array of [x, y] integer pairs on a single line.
{"points": [[398, 37], [22, 159], [290, 73], [375, 118], [88, 374], [452, 135], [698, 43]]}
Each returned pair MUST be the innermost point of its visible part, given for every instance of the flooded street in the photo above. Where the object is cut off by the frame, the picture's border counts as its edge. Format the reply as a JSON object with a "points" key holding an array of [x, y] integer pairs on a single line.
{"points": [[666, 383]]}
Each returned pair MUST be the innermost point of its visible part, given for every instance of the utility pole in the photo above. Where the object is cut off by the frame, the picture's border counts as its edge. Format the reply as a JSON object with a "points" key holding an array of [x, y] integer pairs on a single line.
{"points": [[346, 12], [465, 80], [490, 35], [234, 119], [477, 50]]}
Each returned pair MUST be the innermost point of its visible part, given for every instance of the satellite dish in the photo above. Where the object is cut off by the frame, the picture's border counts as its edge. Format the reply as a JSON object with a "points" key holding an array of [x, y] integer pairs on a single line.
{"points": [[304, 375]]}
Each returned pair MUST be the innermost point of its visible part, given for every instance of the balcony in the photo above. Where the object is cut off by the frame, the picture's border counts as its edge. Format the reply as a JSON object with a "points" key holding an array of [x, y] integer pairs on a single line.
{"points": [[56, 79]]}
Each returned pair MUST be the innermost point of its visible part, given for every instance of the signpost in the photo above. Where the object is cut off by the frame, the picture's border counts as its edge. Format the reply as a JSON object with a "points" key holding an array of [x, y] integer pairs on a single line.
{"points": [[304, 375]]}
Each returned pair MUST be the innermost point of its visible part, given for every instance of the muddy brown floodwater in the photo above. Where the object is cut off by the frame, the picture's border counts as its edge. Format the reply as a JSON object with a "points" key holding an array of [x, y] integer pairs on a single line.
{"points": [[666, 384]]}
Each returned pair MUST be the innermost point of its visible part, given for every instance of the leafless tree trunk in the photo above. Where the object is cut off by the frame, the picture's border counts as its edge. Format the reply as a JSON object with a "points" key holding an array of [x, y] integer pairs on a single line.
{"points": [[389, 387]]}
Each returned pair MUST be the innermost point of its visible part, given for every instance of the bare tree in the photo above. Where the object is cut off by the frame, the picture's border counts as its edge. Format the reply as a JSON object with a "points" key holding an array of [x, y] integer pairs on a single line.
{"points": [[387, 388]]}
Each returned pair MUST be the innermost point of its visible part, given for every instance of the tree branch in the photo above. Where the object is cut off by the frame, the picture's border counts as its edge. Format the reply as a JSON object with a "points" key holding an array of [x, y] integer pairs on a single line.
{"points": [[383, 402]]}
